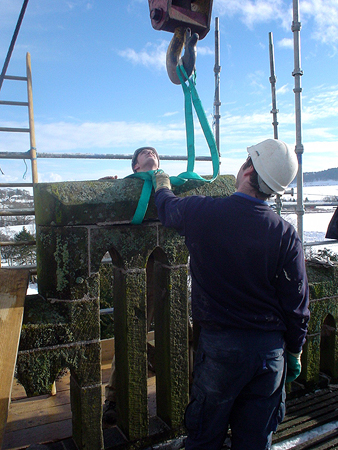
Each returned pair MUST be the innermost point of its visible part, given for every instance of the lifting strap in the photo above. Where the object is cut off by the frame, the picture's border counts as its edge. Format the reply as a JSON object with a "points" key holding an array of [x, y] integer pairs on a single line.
{"points": [[191, 99]]}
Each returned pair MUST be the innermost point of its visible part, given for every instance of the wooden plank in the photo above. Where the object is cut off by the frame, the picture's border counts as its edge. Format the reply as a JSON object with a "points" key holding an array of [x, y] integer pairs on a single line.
{"points": [[108, 347], [13, 288], [38, 435], [47, 418]]}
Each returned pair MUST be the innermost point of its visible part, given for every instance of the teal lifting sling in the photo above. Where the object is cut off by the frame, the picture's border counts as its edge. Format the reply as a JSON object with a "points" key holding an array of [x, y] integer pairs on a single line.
{"points": [[191, 98]]}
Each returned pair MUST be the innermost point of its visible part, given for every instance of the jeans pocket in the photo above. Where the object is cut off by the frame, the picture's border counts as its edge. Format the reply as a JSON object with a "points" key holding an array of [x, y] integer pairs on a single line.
{"points": [[193, 418]]}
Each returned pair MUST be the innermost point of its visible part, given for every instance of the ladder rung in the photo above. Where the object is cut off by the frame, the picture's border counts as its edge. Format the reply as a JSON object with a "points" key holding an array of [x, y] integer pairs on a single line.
{"points": [[17, 212], [10, 185], [16, 243], [6, 102], [11, 77], [17, 130]]}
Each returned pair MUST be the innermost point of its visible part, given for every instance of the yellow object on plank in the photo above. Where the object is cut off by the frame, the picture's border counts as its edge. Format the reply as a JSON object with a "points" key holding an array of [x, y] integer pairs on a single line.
{"points": [[13, 288]]}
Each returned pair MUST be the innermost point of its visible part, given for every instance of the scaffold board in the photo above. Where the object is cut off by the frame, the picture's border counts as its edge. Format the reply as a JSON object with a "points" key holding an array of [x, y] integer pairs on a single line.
{"points": [[13, 288]]}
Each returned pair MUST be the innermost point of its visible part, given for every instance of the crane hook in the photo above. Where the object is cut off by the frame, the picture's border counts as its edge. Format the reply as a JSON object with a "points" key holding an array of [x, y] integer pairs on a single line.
{"points": [[182, 37]]}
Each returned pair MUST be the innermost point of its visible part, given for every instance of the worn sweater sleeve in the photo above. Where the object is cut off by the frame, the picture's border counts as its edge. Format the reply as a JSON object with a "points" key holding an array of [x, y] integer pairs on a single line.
{"points": [[293, 294], [171, 209]]}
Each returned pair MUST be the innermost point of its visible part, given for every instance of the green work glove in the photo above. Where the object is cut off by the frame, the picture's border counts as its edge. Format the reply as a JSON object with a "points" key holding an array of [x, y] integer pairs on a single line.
{"points": [[293, 365], [160, 180]]}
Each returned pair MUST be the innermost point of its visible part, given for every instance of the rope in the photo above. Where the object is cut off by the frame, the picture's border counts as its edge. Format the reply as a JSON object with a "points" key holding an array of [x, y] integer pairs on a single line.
{"points": [[191, 98]]}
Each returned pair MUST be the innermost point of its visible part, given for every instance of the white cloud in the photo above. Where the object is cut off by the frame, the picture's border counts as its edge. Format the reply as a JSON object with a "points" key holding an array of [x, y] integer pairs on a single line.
{"points": [[169, 114], [321, 15], [90, 135], [283, 90], [49, 177], [205, 51], [256, 80], [322, 103], [252, 12], [285, 43], [152, 55], [325, 16]]}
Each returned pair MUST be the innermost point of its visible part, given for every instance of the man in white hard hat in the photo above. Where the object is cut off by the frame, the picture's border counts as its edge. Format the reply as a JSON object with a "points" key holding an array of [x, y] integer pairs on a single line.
{"points": [[250, 297], [144, 159]]}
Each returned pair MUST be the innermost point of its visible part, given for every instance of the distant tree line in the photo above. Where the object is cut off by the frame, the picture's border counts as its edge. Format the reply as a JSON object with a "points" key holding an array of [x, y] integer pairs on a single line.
{"points": [[322, 175], [18, 255]]}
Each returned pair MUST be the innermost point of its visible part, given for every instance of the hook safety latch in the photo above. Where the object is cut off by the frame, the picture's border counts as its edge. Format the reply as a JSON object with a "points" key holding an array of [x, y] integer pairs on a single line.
{"points": [[189, 20]]}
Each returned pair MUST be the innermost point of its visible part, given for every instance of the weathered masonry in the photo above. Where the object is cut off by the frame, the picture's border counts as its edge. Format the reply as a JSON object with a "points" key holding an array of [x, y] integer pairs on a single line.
{"points": [[77, 223]]}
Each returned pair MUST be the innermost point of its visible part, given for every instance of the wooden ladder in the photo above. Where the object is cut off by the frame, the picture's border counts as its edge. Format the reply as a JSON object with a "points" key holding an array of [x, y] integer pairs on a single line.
{"points": [[13, 288], [31, 153]]}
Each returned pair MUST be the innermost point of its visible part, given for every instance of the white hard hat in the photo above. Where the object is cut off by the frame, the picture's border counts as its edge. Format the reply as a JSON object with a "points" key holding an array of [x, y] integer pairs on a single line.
{"points": [[275, 164]]}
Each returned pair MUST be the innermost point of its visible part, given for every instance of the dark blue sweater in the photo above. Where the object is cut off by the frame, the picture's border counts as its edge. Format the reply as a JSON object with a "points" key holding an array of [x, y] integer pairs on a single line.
{"points": [[247, 264]]}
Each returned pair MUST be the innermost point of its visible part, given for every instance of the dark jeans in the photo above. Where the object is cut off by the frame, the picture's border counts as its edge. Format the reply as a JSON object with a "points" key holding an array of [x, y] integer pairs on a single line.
{"points": [[239, 378]]}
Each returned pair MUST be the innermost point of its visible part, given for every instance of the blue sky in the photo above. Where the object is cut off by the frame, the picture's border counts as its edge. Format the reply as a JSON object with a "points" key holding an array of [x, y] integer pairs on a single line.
{"points": [[100, 84]]}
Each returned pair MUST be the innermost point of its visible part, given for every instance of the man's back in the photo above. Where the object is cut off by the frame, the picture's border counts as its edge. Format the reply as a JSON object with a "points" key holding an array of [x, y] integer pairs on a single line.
{"points": [[242, 261]]}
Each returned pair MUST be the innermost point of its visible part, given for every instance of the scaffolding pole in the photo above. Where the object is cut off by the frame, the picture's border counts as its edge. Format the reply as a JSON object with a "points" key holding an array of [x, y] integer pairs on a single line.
{"points": [[217, 70], [273, 80], [11, 47], [297, 73]]}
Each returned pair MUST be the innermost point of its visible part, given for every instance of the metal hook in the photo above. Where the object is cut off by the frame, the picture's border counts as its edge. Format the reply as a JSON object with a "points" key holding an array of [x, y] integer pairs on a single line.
{"points": [[182, 36]]}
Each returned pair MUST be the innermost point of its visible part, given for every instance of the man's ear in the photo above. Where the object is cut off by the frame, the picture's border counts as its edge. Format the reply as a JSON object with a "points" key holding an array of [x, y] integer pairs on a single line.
{"points": [[248, 171], [136, 167]]}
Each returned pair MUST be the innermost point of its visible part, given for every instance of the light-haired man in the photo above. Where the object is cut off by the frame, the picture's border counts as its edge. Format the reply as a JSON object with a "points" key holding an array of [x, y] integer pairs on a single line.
{"points": [[144, 159]]}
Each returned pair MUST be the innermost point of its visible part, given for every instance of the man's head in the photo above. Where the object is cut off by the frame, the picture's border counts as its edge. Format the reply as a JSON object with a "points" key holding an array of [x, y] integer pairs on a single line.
{"points": [[144, 159], [269, 169]]}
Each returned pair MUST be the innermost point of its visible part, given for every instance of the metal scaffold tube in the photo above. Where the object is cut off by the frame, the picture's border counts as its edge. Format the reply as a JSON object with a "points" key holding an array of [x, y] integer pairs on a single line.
{"points": [[12, 44], [297, 73], [273, 80], [217, 70]]}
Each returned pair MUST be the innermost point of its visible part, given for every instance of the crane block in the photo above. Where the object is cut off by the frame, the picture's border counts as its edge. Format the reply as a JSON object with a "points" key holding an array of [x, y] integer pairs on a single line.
{"points": [[168, 15]]}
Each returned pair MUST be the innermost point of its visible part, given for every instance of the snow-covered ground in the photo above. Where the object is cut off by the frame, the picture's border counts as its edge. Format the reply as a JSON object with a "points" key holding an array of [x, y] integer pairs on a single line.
{"points": [[289, 444], [11, 230]]}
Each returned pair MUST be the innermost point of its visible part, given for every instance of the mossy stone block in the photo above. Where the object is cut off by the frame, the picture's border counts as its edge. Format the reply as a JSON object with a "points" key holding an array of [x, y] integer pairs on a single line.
{"points": [[129, 246], [131, 353], [86, 416], [92, 202], [35, 336], [311, 360], [173, 245], [62, 262], [321, 272]]}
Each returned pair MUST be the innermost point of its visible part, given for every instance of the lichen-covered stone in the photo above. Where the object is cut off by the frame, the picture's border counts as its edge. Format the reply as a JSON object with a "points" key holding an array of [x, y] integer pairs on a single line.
{"points": [[86, 407], [62, 262], [77, 223], [323, 302], [132, 243], [93, 202], [131, 353]]}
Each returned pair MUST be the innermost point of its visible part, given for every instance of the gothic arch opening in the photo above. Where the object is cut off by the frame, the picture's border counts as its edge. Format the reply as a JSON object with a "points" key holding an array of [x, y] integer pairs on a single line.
{"points": [[110, 285], [327, 346], [156, 327]]}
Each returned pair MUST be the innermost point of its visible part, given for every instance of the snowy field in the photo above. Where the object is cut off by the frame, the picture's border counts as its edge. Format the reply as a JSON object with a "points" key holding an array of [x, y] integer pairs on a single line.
{"points": [[315, 223], [12, 230]]}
